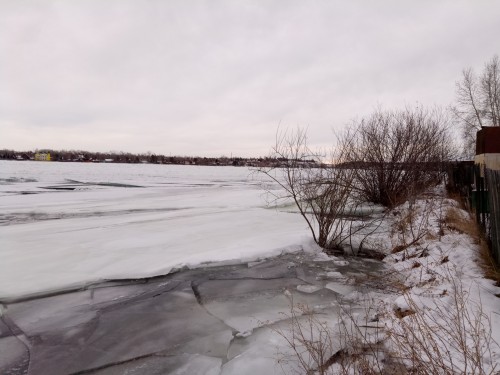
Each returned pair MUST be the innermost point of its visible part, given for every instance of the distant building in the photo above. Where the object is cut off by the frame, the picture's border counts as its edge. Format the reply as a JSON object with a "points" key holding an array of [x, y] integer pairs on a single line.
{"points": [[42, 156]]}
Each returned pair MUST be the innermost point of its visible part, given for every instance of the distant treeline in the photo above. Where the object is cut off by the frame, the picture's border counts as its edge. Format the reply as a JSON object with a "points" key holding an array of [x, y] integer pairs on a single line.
{"points": [[148, 158]]}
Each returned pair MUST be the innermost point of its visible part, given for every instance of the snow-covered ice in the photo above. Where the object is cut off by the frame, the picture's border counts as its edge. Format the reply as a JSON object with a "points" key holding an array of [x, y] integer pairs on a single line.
{"points": [[109, 228]]}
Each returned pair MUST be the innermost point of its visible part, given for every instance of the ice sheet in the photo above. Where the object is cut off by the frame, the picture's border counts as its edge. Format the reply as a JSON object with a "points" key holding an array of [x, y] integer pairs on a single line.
{"points": [[181, 216], [193, 321]]}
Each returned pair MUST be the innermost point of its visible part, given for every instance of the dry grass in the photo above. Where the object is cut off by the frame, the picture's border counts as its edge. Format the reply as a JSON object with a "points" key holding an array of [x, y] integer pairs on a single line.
{"points": [[457, 221], [487, 263], [449, 338], [413, 224], [406, 220], [398, 249], [457, 197], [400, 314], [316, 347]]}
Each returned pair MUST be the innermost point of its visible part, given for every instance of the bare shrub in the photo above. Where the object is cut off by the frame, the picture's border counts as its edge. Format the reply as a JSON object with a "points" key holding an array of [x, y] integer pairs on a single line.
{"points": [[398, 154], [321, 192]]}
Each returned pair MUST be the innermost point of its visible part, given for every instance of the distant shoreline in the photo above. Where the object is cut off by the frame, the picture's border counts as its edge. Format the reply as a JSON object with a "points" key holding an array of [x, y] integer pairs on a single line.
{"points": [[129, 158]]}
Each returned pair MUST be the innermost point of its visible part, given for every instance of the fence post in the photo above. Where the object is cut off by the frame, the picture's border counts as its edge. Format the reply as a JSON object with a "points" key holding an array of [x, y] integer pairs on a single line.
{"points": [[493, 186], [479, 184]]}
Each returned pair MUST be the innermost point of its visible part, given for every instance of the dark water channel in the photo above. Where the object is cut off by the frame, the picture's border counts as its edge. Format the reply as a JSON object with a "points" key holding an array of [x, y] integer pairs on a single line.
{"points": [[193, 321]]}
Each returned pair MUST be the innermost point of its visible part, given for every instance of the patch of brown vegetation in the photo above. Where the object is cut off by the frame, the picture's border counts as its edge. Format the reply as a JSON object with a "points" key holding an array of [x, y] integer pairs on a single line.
{"points": [[487, 263], [457, 198], [454, 220], [398, 249], [405, 221], [403, 313], [418, 253], [431, 236]]}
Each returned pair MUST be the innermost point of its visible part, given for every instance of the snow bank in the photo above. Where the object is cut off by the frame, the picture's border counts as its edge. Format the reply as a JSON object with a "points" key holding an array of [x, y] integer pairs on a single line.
{"points": [[440, 272]]}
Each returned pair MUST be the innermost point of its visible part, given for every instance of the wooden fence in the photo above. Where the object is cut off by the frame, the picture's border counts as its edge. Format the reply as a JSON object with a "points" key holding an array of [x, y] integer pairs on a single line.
{"points": [[492, 184], [481, 192]]}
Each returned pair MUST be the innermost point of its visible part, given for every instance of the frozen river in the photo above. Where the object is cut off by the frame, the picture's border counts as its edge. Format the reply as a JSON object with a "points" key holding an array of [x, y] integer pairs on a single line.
{"points": [[68, 224], [81, 244]]}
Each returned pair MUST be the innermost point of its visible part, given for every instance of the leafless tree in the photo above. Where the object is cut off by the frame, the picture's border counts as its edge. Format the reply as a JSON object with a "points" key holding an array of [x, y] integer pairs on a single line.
{"points": [[478, 101], [396, 155]]}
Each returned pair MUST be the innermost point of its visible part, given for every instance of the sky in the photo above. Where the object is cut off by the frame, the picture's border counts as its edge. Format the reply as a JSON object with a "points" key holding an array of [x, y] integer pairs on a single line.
{"points": [[217, 78]]}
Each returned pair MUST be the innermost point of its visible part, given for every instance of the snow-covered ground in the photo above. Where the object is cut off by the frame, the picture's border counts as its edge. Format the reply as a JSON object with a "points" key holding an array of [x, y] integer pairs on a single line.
{"points": [[67, 224], [444, 296]]}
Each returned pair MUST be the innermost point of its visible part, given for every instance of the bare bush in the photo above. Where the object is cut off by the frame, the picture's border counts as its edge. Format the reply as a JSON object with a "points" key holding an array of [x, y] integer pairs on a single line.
{"points": [[321, 192], [397, 154]]}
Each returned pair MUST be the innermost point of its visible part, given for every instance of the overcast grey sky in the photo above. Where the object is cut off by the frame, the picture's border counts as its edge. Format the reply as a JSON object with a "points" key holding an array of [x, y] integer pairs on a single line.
{"points": [[216, 78]]}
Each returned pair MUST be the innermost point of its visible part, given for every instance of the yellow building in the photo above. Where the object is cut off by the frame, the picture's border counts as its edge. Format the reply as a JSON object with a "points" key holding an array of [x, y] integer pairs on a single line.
{"points": [[42, 156]]}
